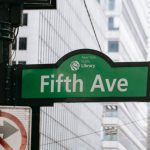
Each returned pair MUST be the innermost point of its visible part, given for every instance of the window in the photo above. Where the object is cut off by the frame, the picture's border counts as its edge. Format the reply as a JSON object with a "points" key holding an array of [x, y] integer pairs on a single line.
{"points": [[113, 23], [22, 43], [113, 46], [25, 20], [22, 62], [111, 4], [110, 111], [110, 133], [14, 45]]}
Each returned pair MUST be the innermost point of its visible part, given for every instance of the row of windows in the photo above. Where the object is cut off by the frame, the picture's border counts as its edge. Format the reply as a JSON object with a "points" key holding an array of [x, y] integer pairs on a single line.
{"points": [[110, 133], [19, 62], [113, 46], [113, 25], [22, 40]]}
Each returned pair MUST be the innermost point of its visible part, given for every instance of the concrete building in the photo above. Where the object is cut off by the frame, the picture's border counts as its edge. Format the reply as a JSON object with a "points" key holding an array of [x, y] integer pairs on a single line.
{"points": [[116, 28], [127, 42], [51, 44], [127, 28]]}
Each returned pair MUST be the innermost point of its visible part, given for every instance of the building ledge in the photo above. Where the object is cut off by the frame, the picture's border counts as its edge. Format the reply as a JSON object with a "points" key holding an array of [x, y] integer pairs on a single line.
{"points": [[110, 121], [113, 145]]}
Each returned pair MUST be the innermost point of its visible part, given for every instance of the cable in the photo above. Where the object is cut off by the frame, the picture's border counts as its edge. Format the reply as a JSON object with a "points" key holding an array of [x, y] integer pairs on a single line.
{"points": [[92, 25], [67, 139], [14, 55], [16, 31]]}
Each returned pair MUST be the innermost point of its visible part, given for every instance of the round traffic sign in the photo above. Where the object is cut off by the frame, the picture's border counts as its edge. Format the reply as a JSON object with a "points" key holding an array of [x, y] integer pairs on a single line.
{"points": [[22, 130]]}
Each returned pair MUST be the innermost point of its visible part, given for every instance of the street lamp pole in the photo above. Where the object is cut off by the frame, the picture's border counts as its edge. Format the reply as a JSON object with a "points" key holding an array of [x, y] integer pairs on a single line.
{"points": [[10, 18], [6, 36]]}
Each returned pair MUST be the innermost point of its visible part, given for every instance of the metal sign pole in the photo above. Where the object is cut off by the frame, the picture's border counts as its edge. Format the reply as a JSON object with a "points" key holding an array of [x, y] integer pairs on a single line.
{"points": [[10, 18], [6, 36], [35, 135]]}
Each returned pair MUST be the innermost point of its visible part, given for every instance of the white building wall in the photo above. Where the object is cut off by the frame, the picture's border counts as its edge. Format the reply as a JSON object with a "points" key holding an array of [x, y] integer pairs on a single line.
{"points": [[74, 30], [31, 32], [136, 35], [132, 37]]}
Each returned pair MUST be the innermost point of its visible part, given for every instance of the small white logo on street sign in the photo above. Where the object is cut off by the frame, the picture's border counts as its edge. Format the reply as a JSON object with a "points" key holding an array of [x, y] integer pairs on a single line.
{"points": [[75, 65]]}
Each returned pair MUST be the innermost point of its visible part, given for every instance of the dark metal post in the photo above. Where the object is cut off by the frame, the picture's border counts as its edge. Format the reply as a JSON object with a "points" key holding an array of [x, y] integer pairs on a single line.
{"points": [[10, 18], [6, 36], [35, 136]]}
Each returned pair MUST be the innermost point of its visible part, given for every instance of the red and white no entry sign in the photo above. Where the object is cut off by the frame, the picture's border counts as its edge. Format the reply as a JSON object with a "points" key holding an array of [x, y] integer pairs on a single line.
{"points": [[14, 128]]}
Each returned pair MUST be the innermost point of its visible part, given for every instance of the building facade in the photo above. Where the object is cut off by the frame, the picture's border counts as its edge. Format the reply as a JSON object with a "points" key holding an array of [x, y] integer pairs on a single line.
{"points": [[127, 42], [116, 28]]}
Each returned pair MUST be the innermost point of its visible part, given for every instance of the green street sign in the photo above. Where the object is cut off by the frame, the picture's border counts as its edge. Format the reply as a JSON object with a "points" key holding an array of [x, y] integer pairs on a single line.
{"points": [[83, 76]]}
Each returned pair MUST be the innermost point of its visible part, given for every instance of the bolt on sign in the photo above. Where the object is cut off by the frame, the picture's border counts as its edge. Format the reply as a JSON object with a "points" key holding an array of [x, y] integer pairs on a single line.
{"points": [[14, 128], [82, 76]]}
